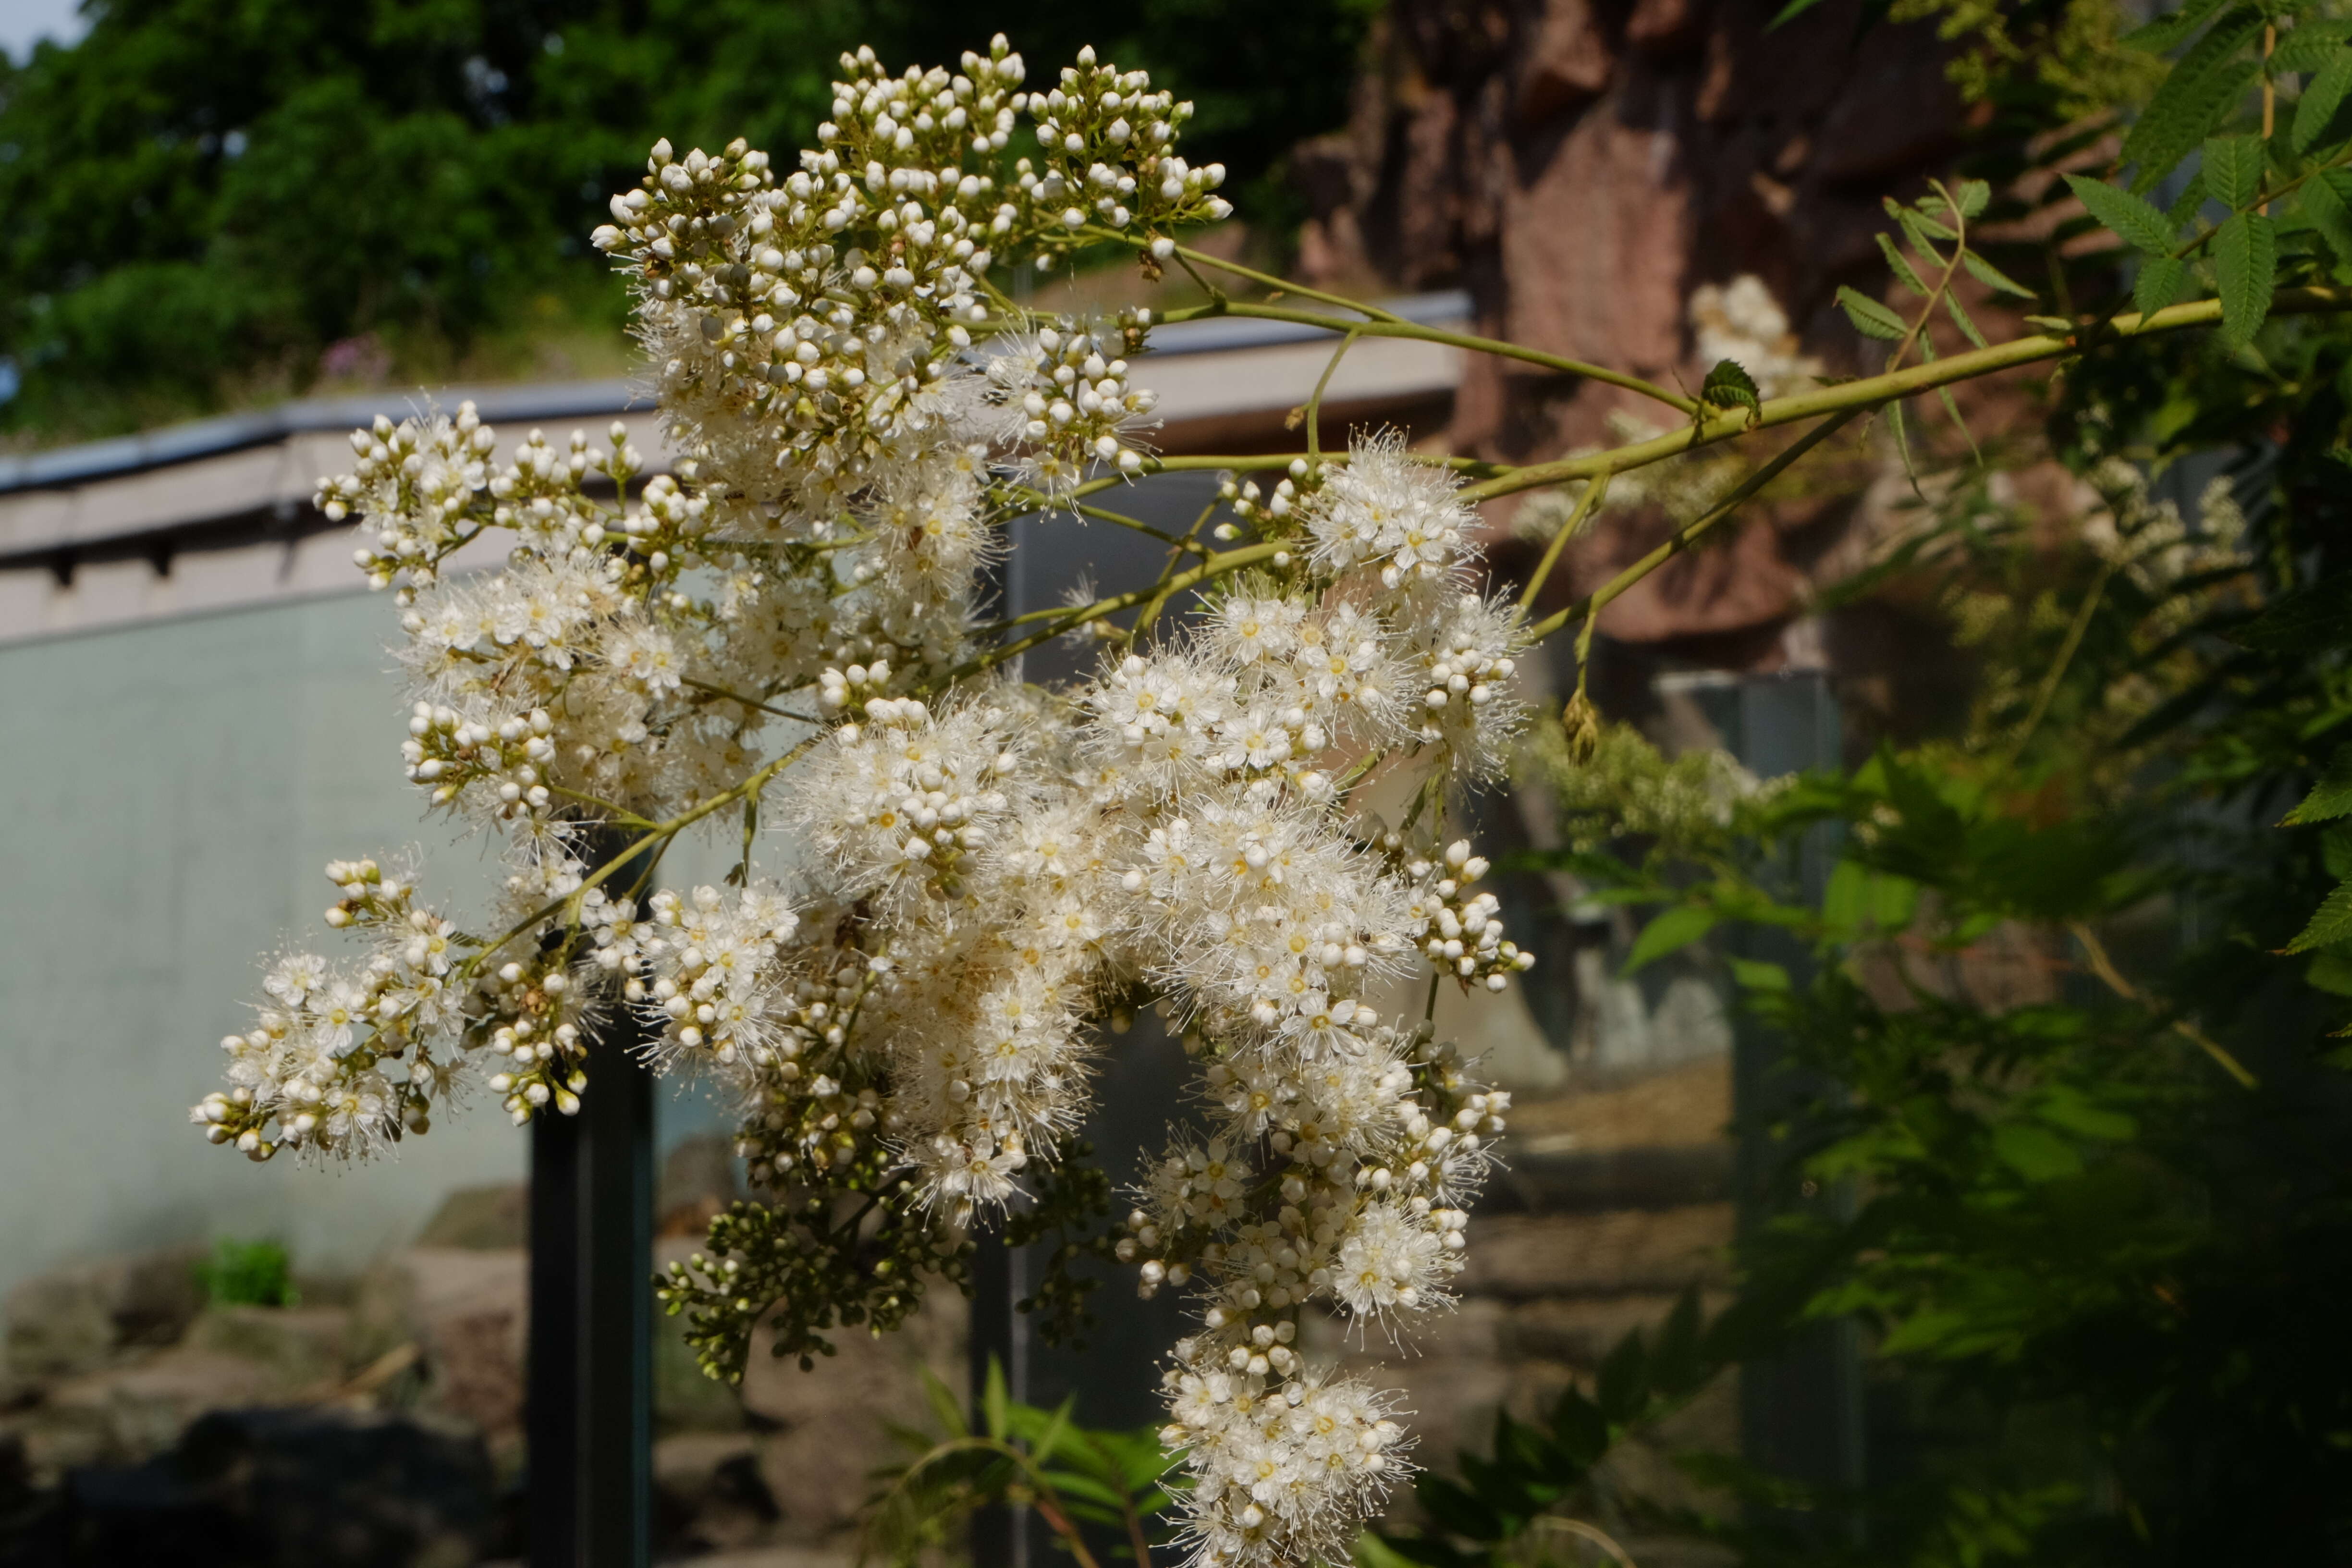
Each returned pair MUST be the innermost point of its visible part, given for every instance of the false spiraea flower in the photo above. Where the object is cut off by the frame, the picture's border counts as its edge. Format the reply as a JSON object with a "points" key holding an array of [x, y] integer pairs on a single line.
{"points": [[784, 631]]}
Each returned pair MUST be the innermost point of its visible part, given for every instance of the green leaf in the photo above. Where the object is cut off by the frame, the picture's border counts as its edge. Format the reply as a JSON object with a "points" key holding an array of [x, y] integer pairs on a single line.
{"points": [[1621, 1387], [1972, 197], [2163, 34], [1790, 13], [2327, 202], [1870, 317], [1967, 328], [944, 1405], [1728, 385], [2141, 225], [1676, 928], [2202, 90], [1050, 1439], [2074, 1112], [2310, 46], [2245, 255], [1993, 278], [2329, 924], [2234, 170], [2321, 100], [1755, 975], [2313, 620], [993, 1401], [2158, 285], [2330, 971], [2035, 1153], [2330, 798], [1901, 268], [2188, 203]]}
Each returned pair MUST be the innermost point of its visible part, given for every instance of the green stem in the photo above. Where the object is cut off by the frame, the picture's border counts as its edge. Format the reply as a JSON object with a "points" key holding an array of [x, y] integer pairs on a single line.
{"points": [[1315, 402], [1595, 493], [1870, 391], [1284, 285], [1413, 330], [1591, 606]]}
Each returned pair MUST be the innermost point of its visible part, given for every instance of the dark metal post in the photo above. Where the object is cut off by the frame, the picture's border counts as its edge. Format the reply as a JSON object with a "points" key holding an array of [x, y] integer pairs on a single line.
{"points": [[589, 1416]]}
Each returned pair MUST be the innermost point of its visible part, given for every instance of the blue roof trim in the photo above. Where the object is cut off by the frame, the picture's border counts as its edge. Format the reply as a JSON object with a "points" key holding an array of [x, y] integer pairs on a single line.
{"points": [[543, 401]]}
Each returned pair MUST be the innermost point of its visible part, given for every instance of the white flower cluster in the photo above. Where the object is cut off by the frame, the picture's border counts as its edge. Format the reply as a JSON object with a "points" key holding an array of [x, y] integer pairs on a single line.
{"points": [[344, 1059], [782, 632], [1740, 321]]}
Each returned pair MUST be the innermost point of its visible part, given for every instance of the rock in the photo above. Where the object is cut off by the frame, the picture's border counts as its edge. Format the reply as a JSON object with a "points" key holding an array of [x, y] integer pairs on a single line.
{"points": [[75, 1318], [300, 1346], [291, 1489], [486, 1219], [825, 1430], [698, 1180], [467, 1310], [709, 1493], [124, 1413]]}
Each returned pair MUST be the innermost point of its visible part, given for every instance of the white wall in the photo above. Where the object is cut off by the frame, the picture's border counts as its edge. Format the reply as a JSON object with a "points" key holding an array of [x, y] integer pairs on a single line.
{"points": [[169, 794]]}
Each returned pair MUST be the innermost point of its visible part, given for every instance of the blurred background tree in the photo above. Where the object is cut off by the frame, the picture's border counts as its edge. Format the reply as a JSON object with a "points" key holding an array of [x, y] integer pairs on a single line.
{"points": [[211, 203]]}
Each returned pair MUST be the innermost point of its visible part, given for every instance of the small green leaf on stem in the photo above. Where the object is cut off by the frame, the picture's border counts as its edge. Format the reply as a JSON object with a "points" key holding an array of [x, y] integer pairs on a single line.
{"points": [[2137, 220], [2158, 284], [1993, 278], [1728, 386], [2321, 101], [2234, 170], [2245, 255], [1899, 266], [1870, 317]]}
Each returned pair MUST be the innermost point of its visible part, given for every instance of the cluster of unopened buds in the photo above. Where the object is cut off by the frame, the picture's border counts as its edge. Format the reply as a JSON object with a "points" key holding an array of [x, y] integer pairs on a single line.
{"points": [[418, 486], [448, 751], [1465, 673], [841, 687], [534, 1026], [1073, 403], [1144, 1241], [1461, 932], [1266, 510]]}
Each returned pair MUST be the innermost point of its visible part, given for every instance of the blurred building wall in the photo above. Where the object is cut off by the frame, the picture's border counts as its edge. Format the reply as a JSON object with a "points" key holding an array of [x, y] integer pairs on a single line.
{"points": [[171, 793]]}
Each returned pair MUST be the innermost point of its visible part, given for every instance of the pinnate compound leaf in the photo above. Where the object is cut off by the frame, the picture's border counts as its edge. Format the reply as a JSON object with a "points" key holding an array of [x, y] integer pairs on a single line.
{"points": [[2245, 255], [2234, 170], [1960, 319], [1899, 264], [2321, 101], [2330, 798], [2163, 35], [2158, 285], [2187, 108], [2327, 202], [1993, 278], [1870, 317], [2316, 620], [2310, 46], [2135, 219], [2330, 924]]}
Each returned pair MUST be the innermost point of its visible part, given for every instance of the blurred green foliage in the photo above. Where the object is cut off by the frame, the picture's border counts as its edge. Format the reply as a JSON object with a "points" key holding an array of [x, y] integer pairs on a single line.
{"points": [[204, 197], [248, 1274]]}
